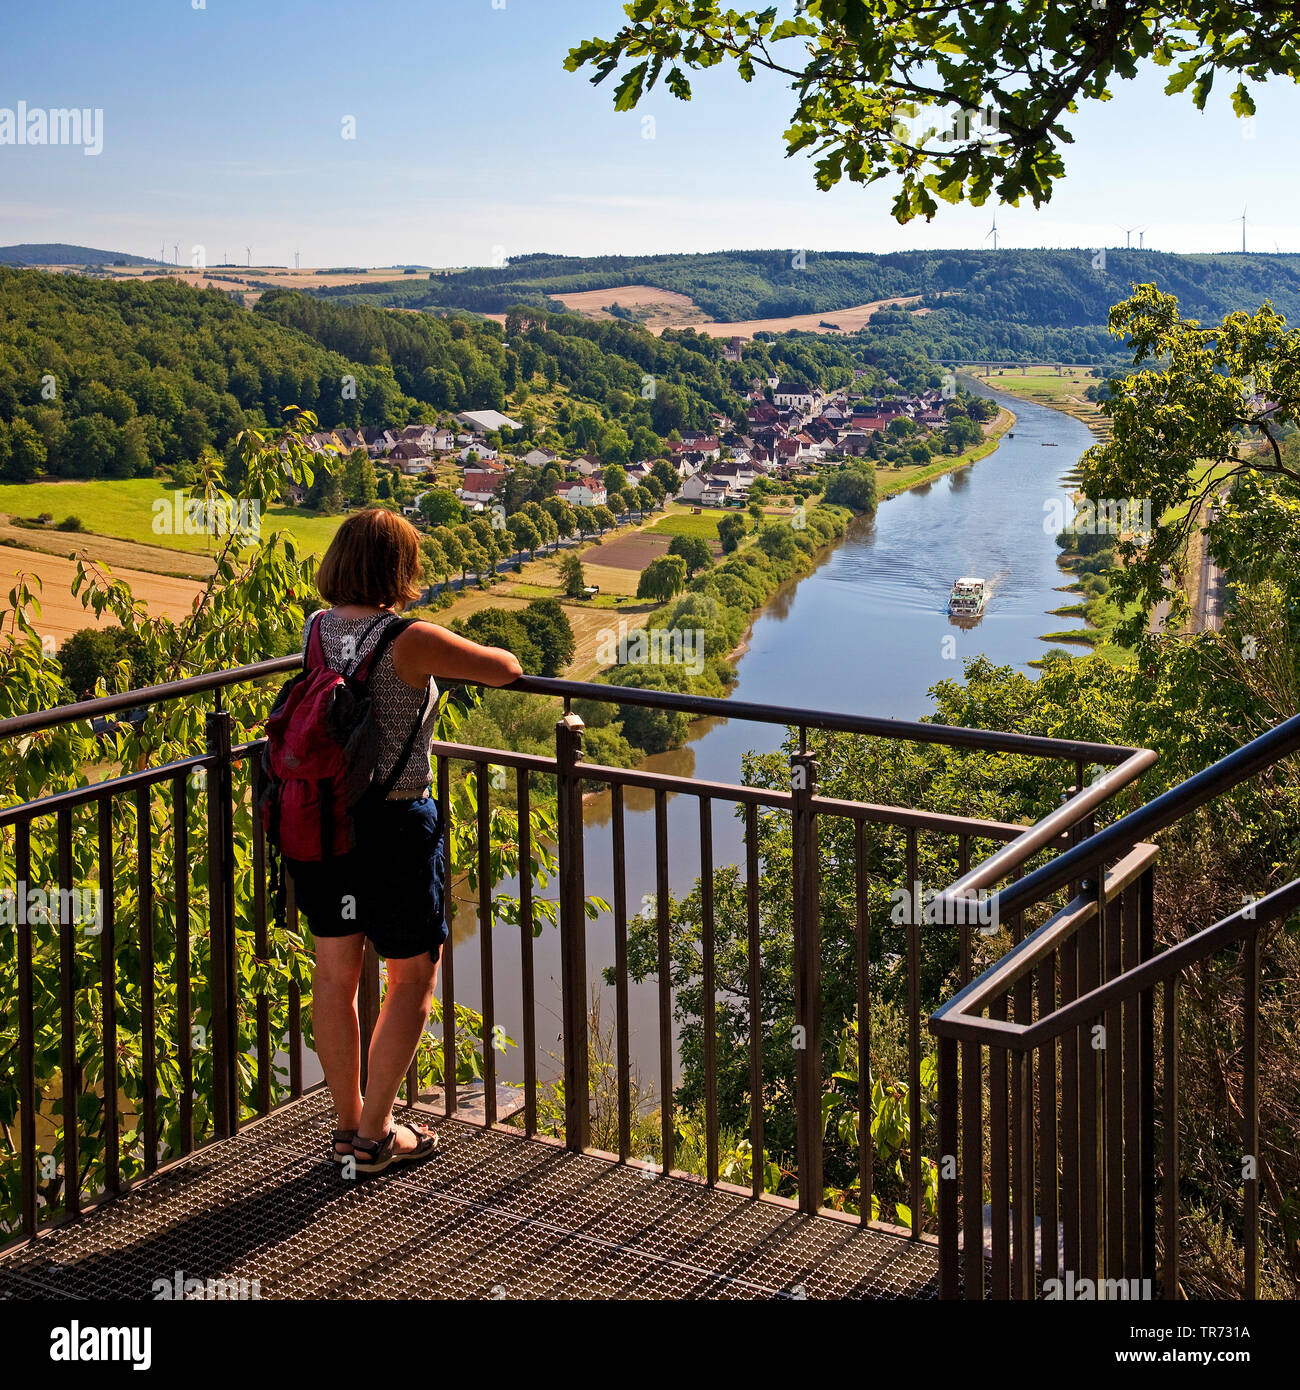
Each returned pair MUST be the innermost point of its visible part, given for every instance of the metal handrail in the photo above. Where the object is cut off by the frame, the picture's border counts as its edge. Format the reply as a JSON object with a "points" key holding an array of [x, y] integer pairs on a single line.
{"points": [[1232, 769], [700, 706], [1170, 962]]}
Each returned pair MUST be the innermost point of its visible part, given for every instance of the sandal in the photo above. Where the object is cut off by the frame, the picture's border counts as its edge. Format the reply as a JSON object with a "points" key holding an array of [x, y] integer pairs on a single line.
{"points": [[342, 1136], [374, 1155]]}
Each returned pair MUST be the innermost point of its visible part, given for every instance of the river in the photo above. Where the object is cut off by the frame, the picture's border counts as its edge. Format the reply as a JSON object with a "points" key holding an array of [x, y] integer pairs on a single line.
{"points": [[867, 633]]}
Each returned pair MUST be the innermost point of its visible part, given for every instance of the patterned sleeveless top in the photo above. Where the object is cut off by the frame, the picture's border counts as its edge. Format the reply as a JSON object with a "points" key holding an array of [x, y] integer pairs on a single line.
{"points": [[396, 705]]}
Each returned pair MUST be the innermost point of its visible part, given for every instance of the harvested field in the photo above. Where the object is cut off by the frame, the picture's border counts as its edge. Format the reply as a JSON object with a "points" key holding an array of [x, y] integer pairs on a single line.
{"points": [[117, 554], [657, 309], [62, 614], [631, 552], [846, 320]]}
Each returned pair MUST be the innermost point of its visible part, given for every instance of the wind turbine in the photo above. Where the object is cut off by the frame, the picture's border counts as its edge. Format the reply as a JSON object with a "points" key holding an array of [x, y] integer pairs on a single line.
{"points": [[297, 260], [1142, 231], [993, 232], [1243, 231], [248, 251], [176, 251], [1128, 236]]}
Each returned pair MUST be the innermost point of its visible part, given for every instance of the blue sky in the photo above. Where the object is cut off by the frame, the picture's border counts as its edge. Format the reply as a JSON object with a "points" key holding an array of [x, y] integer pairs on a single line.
{"points": [[223, 128]]}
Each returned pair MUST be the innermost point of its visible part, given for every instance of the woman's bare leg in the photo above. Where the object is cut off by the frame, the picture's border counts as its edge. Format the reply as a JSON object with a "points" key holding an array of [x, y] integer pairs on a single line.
{"points": [[334, 1018], [397, 1035]]}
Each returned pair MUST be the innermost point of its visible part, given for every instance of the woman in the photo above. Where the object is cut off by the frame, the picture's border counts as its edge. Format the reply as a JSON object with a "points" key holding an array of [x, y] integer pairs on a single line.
{"points": [[391, 887]]}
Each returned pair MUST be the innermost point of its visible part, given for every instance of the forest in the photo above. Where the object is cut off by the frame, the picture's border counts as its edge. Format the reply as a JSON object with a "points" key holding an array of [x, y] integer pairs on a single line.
{"points": [[102, 379], [1049, 304]]}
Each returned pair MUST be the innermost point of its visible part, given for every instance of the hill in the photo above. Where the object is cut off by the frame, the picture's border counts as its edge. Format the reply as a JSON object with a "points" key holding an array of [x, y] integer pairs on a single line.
{"points": [[1047, 304], [60, 253], [116, 378]]}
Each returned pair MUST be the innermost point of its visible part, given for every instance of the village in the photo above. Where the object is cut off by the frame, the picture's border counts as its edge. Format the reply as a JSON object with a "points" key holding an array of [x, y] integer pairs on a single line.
{"points": [[789, 431]]}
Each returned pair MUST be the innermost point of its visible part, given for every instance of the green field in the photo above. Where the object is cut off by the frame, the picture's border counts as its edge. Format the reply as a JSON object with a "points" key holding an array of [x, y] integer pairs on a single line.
{"points": [[704, 526], [125, 508]]}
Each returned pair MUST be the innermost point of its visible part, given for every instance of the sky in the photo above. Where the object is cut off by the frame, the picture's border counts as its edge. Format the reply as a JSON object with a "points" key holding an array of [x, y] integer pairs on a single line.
{"points": [[224, 125]]}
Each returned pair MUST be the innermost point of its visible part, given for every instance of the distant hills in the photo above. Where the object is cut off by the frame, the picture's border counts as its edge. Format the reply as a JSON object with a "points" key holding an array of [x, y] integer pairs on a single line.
{"points": [[60, 253], [1043, 304], [1038, 305]]}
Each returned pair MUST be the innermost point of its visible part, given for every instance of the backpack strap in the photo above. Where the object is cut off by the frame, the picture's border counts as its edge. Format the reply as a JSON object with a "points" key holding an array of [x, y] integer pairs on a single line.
{"points": [[368, 661], [312, 642]]}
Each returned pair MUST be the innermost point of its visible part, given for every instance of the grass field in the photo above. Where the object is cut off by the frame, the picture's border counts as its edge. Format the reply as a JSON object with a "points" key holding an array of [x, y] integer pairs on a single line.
{"points": [[125, 509], [704, 526], [1062, 392]]}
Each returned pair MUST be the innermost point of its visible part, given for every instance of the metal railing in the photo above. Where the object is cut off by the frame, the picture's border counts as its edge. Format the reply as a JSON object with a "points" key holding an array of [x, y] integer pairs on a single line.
{"points": [[252, 1056], [1074, 1174]]}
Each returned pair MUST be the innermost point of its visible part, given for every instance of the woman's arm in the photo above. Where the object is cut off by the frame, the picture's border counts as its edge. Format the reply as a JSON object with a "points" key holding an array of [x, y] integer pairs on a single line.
{"points": [[425, 650]]}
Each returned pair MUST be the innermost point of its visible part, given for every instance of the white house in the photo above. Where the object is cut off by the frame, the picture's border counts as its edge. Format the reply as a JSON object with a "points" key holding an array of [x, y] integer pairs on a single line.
{"points": [[539, 458], [480, 451], [585, 494]]}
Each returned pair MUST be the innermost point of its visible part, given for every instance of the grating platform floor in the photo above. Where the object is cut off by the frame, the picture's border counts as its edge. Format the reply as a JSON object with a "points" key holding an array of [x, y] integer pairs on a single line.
{"points": [[490, 1216]]}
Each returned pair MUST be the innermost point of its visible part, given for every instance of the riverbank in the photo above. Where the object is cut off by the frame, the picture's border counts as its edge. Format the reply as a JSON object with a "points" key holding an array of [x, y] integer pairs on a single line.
{"points": [[890, 482], [1060, 389]]}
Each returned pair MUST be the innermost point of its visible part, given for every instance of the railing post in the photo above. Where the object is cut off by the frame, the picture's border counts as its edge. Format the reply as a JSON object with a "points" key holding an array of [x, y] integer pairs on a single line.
{"points": [[807, 983], [221, 929], [573, 934], [949, 1178]]}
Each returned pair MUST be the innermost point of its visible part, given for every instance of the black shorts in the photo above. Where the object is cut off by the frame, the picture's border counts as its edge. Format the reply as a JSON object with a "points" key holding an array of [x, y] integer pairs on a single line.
{"points": [[392, 886]]}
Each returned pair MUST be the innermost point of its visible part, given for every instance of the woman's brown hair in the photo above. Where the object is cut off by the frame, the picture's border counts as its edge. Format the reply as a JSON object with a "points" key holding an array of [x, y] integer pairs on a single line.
{"points": [[374, 558]]}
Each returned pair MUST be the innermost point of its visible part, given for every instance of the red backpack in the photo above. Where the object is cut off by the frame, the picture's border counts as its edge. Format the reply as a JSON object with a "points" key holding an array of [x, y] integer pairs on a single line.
{"points": [[322, 748]]}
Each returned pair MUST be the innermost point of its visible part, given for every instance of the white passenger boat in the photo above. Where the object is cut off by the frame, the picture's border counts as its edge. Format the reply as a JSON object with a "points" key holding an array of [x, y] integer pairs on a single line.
{"points": [[968, 598]]}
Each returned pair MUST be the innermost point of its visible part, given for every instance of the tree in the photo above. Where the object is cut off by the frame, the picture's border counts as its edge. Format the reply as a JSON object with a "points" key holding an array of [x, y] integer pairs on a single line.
{"points": [[501, 627], [654, 730], [26, 453], [441, 508], [777, 541], [854, 486], [662, 579], [434, 560], [561, 513], [525, 533], [452, 547], [695, 553], [92, 654], [875, 79], [731, 529], [572, 576], [602, 518], [666, 476], [1205, 443], [548, 627], [615, 478], [359, 483]]}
